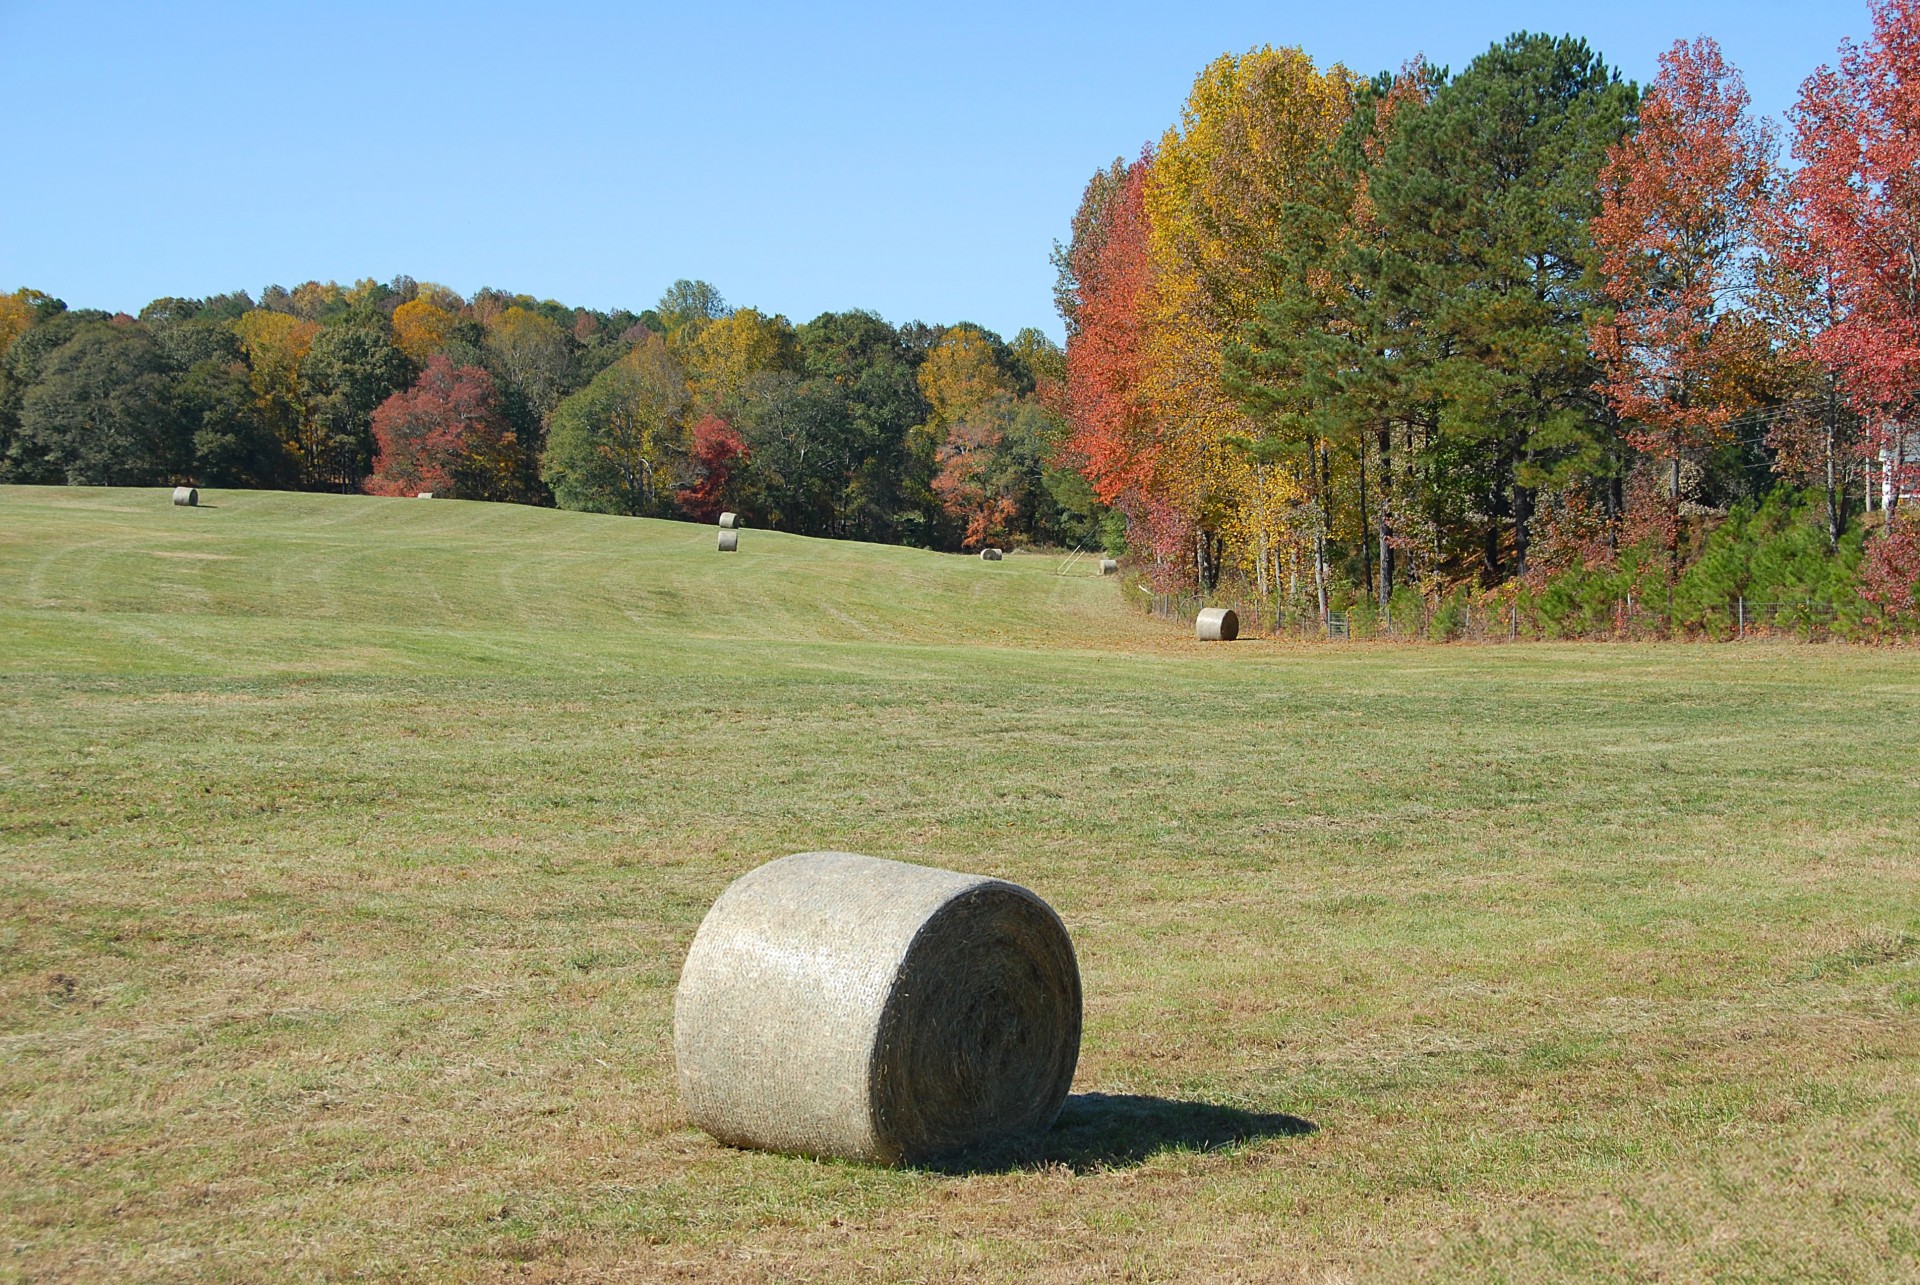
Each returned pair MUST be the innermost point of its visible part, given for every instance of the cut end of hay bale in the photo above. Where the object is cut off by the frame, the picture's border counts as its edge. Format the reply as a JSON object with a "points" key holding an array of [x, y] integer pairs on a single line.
{"points": [[187, 496], [1216, 624], [729, 521], [840, 1005], [990, 555], [1109, 567], [729, 541]]}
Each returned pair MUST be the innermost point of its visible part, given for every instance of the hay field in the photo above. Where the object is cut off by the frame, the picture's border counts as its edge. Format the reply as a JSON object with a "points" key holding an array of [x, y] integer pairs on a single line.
{"points": [[349, 849]]}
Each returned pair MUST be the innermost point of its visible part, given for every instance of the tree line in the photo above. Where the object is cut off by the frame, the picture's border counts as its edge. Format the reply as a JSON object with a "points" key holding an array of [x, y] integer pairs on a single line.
{"points": [[1336, 337], [842, 426]]}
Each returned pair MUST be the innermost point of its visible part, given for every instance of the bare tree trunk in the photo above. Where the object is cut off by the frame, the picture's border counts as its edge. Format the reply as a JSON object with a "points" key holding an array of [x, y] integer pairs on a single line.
{"points": [[1366, 535], [1386, 495], [1833, 496], [1326, 525], [1260, 534]]}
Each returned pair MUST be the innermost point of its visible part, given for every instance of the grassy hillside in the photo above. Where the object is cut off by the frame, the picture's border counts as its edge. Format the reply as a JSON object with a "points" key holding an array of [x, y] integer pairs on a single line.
{"points": [[349, 849], [437, 582]]}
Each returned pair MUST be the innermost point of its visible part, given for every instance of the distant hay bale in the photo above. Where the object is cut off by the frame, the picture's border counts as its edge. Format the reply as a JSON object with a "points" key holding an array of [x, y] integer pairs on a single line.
{"points": [[728, 521], [840, 1005], [1109, 566], [729, 541], [990, 555], [186, 496], [1216, 624], [424, 495]]}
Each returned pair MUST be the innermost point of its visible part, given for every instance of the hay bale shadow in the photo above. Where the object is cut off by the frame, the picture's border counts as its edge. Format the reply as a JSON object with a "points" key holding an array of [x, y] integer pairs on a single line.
{"points": [[1115, 1130]]}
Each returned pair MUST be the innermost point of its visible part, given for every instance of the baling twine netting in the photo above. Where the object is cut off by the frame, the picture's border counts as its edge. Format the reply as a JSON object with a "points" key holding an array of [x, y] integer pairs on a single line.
{"points": [[1217, 624], [841, 1005]]}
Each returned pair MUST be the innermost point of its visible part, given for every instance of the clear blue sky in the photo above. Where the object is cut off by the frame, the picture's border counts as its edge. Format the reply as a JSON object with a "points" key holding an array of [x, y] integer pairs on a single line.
{"points": [[914, 158]]}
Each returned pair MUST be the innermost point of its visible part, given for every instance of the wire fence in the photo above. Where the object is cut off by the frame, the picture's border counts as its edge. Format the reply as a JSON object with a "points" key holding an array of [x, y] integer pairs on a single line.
{"points": [[1453, 620]]}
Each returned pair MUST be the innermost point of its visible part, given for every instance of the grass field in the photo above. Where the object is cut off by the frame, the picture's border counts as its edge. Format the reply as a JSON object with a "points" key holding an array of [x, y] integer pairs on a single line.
{"points": [[349, 849]]}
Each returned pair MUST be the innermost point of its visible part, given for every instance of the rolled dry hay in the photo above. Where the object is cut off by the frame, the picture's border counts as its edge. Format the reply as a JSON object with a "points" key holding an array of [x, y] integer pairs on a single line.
{"points": [[1109, 566], [840, 1005], [728, 521], [990, 555], [1216, 624], [729, 541], [424, 495], [187, 496]]}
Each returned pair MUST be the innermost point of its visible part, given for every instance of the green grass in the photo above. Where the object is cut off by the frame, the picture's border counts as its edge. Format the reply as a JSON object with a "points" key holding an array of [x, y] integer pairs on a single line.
{"points": [[349, 849]]}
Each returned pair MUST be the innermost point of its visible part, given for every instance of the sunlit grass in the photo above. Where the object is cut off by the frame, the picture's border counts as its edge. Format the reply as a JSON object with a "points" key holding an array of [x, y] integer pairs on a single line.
{"points": [[350, 848]]}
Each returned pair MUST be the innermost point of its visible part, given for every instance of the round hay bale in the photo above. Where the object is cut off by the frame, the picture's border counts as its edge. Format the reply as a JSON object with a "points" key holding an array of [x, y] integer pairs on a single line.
{"points": [[728, 521], [990, 555], [1216, 624], [187, 496], [1109, 567], [840, 1005], [424, 495], [729, 541]]}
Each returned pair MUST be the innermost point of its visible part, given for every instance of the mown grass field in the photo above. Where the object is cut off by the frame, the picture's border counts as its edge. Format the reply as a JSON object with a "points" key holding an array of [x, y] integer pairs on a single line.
{"points": [[349, 849]]}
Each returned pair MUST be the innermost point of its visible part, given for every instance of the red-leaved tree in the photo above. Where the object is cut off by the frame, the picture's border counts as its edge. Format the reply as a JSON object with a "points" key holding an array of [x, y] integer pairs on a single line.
{"points": [[717, 456], [445, 435], [1857, 195], [1681, 204]]}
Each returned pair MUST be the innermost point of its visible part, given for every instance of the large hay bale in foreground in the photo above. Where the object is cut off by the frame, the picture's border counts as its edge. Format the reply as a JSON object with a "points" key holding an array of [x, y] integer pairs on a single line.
{"points": [[841, 1005], [187, 496], [990, 555], [729, 541], [1216, 624], [1109, 567], [728, 521]]}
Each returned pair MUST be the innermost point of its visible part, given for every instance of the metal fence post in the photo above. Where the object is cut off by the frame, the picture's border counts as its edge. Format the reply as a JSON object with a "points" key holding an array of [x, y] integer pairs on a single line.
{"points": [[1741, 606]]}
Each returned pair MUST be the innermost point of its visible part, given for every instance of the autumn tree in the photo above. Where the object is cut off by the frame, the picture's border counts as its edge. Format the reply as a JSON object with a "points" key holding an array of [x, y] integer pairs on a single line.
{"points": [[422, 329], [528, 354], [733, 352], [1857, 198], [1681, 204], [16, 314], [1250, 136], [445, 435], [717, 458], [275, 344], [1105, 274]]}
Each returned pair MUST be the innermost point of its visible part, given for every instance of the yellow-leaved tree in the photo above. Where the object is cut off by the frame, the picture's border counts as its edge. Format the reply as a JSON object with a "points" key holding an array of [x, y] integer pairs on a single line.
{"points": [[275, 344], [1250, 134], [531, 353], [726, 355], [16, 314], [421, 328]]}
